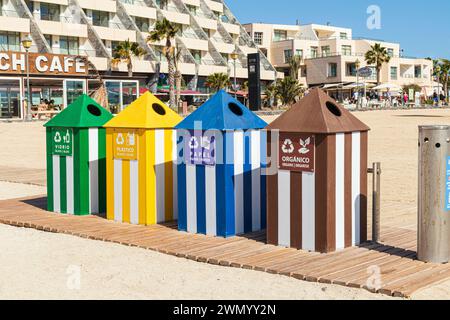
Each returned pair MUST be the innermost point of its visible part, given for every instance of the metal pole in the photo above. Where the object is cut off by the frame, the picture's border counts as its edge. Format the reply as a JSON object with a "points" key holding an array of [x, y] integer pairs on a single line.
{"points": [[434, 194], [376, 201], [235, 80], [28, 117], [357, 88]]}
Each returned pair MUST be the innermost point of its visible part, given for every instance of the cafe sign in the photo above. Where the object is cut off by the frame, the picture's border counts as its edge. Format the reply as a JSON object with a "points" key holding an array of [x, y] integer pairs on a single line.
{"points": [[40, 63], [296, 152]]}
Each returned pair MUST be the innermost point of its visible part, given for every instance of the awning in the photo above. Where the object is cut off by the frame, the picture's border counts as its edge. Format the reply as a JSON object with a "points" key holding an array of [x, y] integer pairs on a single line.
{"points": [[183, 93], [388, 86], [332, 86]]}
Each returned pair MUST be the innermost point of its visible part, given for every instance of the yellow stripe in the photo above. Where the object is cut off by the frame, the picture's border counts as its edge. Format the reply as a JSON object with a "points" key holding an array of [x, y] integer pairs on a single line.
{"points": [[109, 175], [151, 178], [168, 174], [126, 190], [142, 177]]}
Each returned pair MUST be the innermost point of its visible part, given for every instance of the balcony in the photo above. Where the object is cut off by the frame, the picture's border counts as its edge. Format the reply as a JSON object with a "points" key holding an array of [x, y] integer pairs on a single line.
{"points": [[192, 41], [139, 65], [222, 46], [10, 21], [214, 5], [172, 14], [185, 68], [101, 5], [138, 8], [205, 21], [115, 32], [67, 26], [231, 28]]}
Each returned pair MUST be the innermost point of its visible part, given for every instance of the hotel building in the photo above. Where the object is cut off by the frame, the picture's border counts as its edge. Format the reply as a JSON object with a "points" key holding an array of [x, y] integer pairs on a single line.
{"points": [[64, 29], [330, 54]]}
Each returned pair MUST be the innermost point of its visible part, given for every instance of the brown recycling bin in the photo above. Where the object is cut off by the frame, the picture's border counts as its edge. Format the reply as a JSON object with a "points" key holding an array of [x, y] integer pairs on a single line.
{"points": [[317, 180]]}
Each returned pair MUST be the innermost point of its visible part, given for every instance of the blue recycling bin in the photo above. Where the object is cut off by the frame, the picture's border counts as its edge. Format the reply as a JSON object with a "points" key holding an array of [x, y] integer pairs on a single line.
{"points": [[221, 156]]}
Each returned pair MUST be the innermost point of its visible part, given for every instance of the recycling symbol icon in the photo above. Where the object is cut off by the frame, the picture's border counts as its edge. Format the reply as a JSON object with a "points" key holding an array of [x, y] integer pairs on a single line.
{"points": [[120, 140], [193, 143], [57, 137], [288, 146]]}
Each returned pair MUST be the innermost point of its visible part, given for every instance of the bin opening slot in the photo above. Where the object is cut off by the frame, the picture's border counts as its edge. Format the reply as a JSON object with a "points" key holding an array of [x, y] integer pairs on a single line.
{"points": [[159, 109], [237, 110], [94, 110], [333, 109]]}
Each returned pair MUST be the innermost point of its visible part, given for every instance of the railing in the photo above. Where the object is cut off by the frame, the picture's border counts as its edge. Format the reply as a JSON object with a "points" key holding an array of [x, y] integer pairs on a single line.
{"points": [[221, 40], [135, 2], [12, 14], [189, 34]]}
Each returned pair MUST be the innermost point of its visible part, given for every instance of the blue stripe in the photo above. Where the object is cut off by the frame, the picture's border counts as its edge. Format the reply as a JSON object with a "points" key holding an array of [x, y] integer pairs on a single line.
{"points": [[263, 179], [247, 182], [201, 200], [181, 187], [225, 189]]}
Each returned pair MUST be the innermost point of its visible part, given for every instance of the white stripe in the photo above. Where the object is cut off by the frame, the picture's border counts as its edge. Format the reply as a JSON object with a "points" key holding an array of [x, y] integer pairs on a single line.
{"points": [[191, 198], [69, 180], [175, 175], [160, 176], [56, 185], [284, 208], [340, 186], [134, 192], [118, 191], [211, 223], [356, 188], [239, 181], [308, 211], [93, 170], [255, 159]]}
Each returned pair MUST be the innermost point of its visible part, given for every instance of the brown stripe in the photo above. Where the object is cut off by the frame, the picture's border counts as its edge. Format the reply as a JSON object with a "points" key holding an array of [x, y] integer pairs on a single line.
{"points": [[296, 210], [325, 202], [272, 194], [348, 190], [364, 163]]}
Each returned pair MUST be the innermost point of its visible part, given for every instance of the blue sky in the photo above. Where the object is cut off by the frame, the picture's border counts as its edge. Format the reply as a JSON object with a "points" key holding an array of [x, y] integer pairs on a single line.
{"points": [[421, 27]]}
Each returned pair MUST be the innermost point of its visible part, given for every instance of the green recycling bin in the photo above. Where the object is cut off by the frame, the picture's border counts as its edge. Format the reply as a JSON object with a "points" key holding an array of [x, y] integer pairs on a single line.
{"points": [[76, 159]]}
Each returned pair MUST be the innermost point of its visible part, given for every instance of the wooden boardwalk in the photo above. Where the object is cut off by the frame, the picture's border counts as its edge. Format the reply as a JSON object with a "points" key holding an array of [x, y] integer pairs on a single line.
{"points": [[395, 258]]}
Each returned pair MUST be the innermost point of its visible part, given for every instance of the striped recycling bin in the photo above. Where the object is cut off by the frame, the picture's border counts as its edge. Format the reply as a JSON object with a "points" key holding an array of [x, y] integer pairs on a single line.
{"points": [[141, 174], [221, 183], [76, 159]]}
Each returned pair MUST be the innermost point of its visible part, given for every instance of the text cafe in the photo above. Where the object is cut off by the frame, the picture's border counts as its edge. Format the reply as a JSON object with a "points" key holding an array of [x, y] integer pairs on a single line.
{"points": [[55, 82]]}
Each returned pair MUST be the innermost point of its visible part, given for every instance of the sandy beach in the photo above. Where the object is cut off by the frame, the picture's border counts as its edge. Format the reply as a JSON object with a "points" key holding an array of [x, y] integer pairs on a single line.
{"points": [[38, 265]]}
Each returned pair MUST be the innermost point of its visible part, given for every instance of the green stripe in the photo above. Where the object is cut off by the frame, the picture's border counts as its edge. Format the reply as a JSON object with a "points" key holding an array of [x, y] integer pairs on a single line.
{"points": [[102, 170], [81, 172], [63, 183], [50, 205]]}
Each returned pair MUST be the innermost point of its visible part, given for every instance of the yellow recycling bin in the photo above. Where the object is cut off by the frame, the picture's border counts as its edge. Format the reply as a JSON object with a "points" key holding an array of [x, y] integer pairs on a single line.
{"points": [[140, 155]]}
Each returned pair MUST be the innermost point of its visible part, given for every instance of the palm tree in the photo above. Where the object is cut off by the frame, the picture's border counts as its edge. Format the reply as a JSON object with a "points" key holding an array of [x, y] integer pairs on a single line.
{"points": [[377, 55], [124, 52], [218, 81], [164, 29], [289, 90], [177, 74], [445, 75], [294, 66], [271, 95]]}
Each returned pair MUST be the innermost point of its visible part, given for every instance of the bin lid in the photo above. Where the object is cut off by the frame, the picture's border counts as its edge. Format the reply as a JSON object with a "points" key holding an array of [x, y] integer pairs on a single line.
{"points": [[222, 112], [84, 112], [318, 113], [147, 112]]}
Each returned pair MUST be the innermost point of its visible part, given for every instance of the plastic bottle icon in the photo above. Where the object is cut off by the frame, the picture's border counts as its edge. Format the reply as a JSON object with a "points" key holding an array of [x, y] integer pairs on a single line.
{"points": [[67, 137], [130, 139]]}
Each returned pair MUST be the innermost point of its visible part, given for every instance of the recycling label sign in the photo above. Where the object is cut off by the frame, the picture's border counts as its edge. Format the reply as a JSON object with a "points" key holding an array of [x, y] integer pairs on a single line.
{"points": [[125, 143], [296, 152], [202, 149], [62, 141]]}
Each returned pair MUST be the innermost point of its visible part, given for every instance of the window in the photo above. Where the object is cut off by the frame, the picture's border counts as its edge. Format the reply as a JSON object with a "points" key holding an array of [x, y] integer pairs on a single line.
{"points": [[314, 52], [326, 51], [197, 56], [390, 52], [346, 50], [114, 45], [30, 5], [287, 55], [142, 24], [9, 41], [279, 35], [192, 9], [100, 18], [162, 4], [350, 69], [394, 73], [50, 11], [258, 38], [332, 70], [49, 39], [418, 71], [69, 45], [299, 53], [344, 35]]}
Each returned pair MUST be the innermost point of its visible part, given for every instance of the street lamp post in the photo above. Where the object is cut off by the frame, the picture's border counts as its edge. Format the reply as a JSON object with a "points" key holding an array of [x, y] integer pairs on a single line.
{"points": [[438, 80], [27, 42], [357, 65], [235, 56]]}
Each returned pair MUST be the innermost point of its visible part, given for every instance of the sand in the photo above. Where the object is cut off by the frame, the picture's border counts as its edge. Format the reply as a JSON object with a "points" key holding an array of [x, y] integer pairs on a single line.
{"points": [[36, 262]]}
